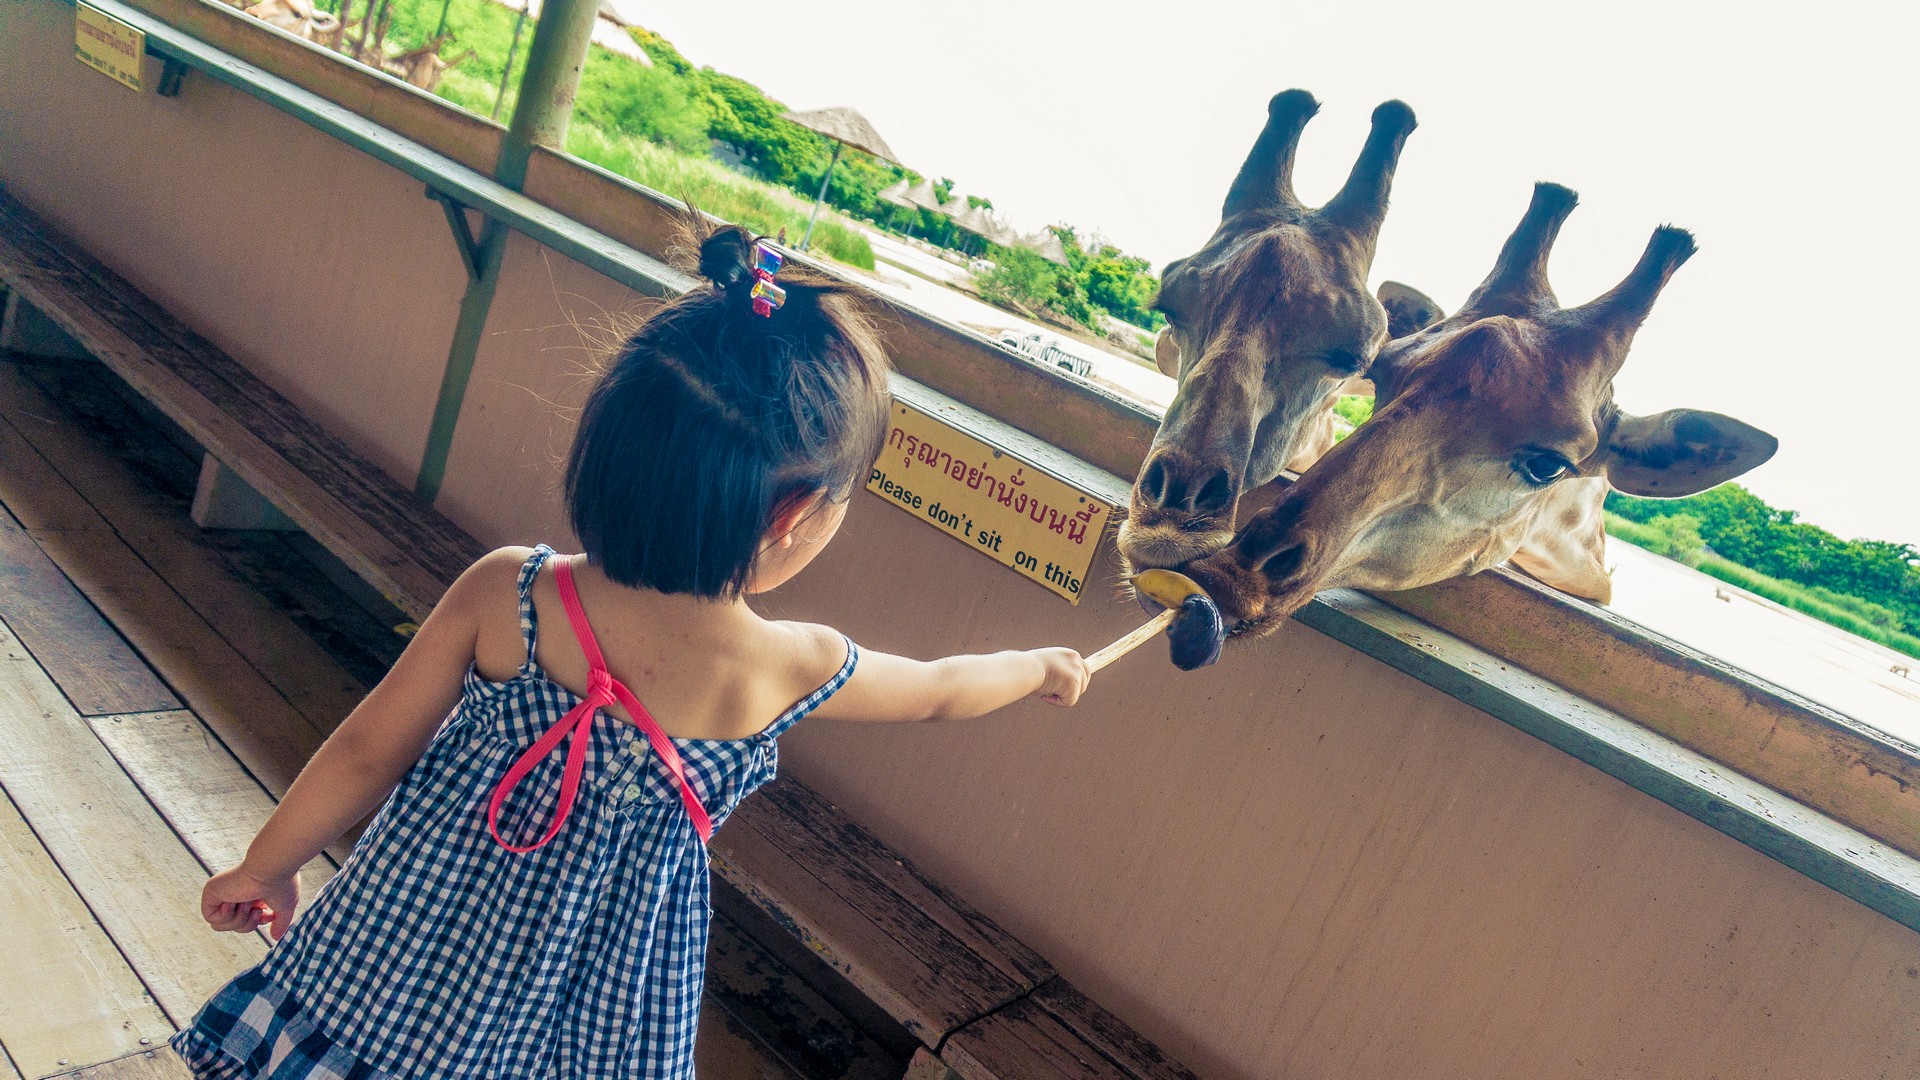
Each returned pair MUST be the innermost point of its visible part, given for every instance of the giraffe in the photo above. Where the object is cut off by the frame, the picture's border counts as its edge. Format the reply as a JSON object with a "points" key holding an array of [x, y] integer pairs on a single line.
{"points": [[1265, 324], [1494, 435]]}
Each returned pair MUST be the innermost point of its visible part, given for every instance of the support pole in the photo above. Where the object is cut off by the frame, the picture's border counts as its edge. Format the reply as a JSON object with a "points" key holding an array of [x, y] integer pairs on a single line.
{"points": [[506, 70], [823, 194], [554, 61]]}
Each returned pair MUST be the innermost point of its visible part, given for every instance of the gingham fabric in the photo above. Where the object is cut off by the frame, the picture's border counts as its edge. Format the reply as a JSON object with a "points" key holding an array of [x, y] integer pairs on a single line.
{"points": [[434, 952]]}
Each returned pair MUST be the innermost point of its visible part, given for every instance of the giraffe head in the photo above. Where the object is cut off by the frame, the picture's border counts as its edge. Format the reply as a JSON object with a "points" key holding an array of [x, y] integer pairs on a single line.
{"points": [[1264, 325], [1494, 433]]}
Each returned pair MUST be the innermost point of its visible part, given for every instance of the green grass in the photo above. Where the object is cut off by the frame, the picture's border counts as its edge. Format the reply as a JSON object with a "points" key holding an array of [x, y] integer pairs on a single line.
{"points": [[718, 190], [1849, 613], [1635, 533]]}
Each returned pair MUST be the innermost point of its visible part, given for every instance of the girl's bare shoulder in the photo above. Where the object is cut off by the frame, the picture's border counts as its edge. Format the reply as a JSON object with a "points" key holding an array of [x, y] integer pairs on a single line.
{"points": [[809, 653], [488, 596]]}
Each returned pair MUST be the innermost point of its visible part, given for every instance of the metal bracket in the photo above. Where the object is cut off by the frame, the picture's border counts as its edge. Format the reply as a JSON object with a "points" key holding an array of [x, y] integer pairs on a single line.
{"points": [[463, 237], [171, 73]]}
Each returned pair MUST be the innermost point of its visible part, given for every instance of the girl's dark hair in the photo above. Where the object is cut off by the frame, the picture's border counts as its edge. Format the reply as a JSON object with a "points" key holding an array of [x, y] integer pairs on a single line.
{"points": [[712, 418]]}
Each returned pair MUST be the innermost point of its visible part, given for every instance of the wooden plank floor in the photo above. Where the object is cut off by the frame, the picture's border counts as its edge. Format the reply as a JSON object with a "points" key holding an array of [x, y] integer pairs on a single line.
{"points": [[159, 687]]}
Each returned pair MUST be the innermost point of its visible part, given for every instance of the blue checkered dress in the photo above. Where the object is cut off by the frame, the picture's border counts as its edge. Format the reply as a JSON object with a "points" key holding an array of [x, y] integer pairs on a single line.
{"points": [[437, 953]]}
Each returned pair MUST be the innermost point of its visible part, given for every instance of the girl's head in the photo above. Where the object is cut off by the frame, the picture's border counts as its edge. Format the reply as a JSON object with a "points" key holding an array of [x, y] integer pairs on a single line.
{"points": [[717, 433]]}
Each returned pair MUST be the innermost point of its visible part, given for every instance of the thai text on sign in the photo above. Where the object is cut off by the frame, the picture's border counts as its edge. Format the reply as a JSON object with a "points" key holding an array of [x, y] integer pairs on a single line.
{"points": [[1007, 509], [108, 45]]}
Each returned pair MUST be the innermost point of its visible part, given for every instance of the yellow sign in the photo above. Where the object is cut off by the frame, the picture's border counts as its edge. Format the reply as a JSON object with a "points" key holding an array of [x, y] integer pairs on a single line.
{"points": [[108, 45], [1004, 508]]}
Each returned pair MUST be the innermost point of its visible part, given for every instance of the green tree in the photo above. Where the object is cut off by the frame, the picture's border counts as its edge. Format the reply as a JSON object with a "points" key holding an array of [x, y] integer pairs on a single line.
{"points": [[1119, 283], [857, 183], [1022, 278], [1743, 528], [661, 52], [618, 95], [1677, 536], [741, 115]]}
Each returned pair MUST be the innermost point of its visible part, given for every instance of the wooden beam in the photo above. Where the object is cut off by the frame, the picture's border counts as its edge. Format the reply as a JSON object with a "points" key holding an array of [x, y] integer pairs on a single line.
{"points": [[1854, 772], [84, 655], [255, 722], [140, 882], [66, 995], [932, 962], [198, 787], [350, 506], [157, 1064], [80, 485]]}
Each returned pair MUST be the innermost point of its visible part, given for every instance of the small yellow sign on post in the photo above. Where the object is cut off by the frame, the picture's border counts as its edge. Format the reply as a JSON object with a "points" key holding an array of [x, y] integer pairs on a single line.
{"points": [[1007, 509], [108, 45]]}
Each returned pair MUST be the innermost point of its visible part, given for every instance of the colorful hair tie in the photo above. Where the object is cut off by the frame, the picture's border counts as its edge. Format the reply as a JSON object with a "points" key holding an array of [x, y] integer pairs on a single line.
{"points": [[766, 295]]}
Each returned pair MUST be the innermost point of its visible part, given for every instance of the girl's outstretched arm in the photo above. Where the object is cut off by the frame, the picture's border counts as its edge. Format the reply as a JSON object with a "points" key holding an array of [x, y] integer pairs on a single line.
{"points": [[363, 760], [889, 688]]}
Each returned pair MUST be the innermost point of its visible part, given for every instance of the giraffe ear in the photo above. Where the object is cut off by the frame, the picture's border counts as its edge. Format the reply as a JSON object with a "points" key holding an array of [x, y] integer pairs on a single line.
{"points": [[1166, 353], [1681, 452], [1409, 310]]}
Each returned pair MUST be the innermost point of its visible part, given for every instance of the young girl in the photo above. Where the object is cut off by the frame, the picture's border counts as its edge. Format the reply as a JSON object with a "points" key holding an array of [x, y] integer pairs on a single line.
{"points": [[532, 899]]}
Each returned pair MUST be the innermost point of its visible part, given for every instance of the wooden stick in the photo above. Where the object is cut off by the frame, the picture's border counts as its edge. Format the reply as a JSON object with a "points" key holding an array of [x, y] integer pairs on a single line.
{"points": [[1135, 638]]}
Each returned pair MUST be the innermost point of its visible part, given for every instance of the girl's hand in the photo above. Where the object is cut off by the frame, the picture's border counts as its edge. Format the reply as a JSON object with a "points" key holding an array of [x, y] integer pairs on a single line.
{"points": [[1066, 676], [238, 901]]}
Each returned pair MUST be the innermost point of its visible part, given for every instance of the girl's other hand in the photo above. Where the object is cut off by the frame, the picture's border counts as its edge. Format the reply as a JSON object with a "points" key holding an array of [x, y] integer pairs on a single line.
{"points": [[1067, 675], [238, 901]]}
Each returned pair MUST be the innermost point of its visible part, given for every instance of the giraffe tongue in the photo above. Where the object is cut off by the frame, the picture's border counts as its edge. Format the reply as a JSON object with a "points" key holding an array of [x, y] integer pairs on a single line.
{"points": [[1196, 634], [1197, 630]]}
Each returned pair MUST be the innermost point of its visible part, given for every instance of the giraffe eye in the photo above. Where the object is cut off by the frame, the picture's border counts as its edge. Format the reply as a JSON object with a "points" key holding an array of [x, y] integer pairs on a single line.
{"points": [[1344, 362], [1540, 469]]}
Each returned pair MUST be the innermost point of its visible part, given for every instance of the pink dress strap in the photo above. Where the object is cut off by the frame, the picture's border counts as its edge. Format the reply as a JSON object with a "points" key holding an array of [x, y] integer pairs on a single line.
{"points": [[574, 728]]}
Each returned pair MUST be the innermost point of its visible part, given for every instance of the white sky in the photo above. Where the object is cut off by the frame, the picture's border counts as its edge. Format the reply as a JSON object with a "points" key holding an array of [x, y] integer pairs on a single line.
{"points": [[1783, 136]]}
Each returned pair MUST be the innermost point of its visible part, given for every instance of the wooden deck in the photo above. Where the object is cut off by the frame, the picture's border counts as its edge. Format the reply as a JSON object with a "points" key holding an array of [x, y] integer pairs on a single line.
{"points": [[160, 685]]}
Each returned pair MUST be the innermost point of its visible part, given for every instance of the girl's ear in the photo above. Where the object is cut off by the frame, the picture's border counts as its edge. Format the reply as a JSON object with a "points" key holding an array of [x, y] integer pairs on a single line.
{"points": [[789, 512]]}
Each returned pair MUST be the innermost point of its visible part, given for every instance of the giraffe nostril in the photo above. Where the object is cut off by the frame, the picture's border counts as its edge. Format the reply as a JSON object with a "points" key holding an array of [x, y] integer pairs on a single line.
{"points": [[1216, 494], [1174, 483], [1154, 481], [1283, 564]]}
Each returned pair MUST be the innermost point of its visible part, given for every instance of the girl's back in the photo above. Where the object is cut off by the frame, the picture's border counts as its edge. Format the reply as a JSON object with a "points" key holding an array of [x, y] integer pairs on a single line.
{"points": [[705, 671]]}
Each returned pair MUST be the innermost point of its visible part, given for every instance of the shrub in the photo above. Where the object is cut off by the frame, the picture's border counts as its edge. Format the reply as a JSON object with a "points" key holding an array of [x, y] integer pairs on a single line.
{"points": [[1355, 409], [621, 97], [1021, 278]]}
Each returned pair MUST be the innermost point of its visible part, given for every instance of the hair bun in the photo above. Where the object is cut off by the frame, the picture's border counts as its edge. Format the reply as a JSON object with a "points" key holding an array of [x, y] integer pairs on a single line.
{"points": [[726, 256]]}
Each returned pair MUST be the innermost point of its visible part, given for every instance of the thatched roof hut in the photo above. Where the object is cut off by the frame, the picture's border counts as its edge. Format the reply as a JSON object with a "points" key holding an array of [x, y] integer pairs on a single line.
{"points": [[1048, 245], [845, 126]]}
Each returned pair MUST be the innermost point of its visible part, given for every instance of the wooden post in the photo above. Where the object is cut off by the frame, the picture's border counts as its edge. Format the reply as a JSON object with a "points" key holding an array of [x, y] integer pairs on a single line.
{"points": [[925, 1066], [221, 500], [24, 330], [540, 114], [811, 218]]}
